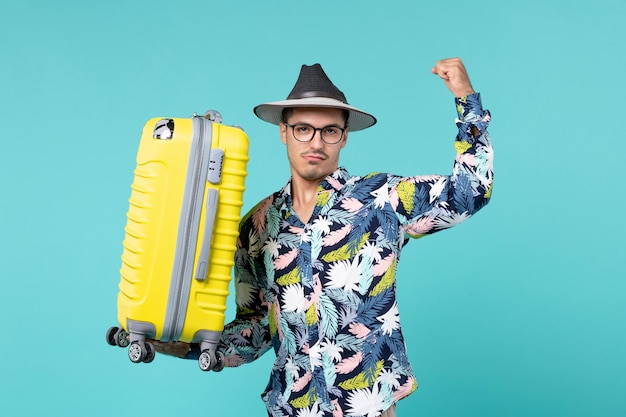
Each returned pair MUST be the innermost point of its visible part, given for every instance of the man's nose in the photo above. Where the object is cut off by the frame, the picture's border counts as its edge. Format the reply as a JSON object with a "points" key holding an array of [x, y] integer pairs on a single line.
{"points": [[316, 140]]}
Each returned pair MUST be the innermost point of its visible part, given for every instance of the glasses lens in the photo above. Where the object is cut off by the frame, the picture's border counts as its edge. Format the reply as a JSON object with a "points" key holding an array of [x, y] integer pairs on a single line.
{"points": [[331, 134], [303, 133]]}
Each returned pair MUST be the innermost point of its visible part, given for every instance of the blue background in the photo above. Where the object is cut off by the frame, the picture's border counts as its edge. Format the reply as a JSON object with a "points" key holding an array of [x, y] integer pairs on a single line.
{"points": [[534, 327]]}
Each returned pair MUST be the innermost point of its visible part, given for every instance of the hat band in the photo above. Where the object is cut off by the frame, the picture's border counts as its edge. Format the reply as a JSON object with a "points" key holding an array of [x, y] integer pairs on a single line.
{"points": [[311, 94]]}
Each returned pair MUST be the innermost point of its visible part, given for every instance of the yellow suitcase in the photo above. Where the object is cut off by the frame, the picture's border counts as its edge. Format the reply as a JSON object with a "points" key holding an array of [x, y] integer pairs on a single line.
{"points": [[181, 232]]}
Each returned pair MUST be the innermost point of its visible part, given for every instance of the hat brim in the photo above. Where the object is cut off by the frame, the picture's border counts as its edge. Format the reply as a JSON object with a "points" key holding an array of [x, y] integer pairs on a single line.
{"points": [[272, 112]]}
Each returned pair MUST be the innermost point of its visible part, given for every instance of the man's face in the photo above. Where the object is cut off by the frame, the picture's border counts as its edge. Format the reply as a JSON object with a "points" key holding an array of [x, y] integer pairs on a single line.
{"points": [[314, 160]]}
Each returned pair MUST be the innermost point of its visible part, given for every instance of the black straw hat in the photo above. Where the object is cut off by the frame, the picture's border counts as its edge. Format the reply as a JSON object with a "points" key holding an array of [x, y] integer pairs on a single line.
{"points": [[314, 89]]}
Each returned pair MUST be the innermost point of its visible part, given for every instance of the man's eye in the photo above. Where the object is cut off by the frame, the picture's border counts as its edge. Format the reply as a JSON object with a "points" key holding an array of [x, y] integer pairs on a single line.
{"points": [[303, 128], [331, 131]]}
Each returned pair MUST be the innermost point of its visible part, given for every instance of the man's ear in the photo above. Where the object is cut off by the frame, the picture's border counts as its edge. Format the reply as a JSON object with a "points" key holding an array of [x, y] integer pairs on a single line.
{"points": [[283, 132], [345, 139]]}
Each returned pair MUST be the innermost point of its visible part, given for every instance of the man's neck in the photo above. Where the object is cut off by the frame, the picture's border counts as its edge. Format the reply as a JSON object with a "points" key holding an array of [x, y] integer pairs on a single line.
{"points": [[303, 196]]}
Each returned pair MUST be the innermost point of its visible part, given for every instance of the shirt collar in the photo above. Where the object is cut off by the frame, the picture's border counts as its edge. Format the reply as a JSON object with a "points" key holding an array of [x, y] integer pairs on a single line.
{"points": [[333, 182]]}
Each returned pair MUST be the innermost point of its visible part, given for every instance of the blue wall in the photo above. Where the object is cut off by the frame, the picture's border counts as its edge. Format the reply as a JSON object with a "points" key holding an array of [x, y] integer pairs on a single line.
{"points": [[535, 329]]}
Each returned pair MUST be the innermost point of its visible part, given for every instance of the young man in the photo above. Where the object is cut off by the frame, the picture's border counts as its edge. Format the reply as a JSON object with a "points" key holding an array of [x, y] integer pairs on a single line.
{"points": [[316, 260]]}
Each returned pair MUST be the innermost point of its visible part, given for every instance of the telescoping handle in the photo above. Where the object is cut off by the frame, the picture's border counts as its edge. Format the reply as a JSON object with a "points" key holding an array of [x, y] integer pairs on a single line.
{"points": [[214, 177]]}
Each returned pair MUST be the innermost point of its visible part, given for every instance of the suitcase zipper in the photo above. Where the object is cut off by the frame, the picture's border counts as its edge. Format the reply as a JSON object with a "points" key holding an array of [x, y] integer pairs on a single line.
{"points": [[188, 230]]}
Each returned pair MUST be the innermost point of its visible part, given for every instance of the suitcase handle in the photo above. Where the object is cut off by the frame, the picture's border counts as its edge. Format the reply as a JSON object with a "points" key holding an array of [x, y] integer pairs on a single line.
{"points": [[212, 115], [205, 252], [214, 176]]}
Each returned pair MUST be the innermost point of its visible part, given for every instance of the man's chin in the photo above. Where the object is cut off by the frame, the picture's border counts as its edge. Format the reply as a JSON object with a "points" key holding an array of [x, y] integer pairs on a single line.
{"points": [[315, 175]]}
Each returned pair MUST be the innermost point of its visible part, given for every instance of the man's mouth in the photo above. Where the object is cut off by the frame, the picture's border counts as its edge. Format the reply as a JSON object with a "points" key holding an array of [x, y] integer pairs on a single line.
{"points": [[314, 156]]}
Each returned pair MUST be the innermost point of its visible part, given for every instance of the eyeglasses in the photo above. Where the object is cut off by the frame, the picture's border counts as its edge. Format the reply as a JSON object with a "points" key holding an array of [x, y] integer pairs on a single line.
{"points": [[303, 132]]}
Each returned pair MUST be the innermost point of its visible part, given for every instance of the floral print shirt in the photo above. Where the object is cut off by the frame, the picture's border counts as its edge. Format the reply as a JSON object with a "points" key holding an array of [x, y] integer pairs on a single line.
{"points": [[323, 294]]}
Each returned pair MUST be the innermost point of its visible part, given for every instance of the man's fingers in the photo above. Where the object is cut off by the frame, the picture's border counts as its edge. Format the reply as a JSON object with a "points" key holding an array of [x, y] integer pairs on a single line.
{"points": [[440, 72], [176, 348]]}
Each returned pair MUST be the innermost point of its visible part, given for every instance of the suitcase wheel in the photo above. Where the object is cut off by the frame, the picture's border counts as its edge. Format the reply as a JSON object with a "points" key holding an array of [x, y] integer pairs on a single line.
{"points": [[141, 352], [219, 364], [150, 353], [117, 337], [210, 361], [121, 338], [206, 360], [111, 336]]}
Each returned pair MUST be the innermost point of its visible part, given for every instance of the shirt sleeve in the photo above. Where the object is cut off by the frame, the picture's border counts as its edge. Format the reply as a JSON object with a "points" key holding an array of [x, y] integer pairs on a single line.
{"points": [[247, 337], [427, 204]]}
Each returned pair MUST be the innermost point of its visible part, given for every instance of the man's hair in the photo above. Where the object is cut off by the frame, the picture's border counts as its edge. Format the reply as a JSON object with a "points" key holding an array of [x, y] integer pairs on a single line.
{"points": [[288, 111]]}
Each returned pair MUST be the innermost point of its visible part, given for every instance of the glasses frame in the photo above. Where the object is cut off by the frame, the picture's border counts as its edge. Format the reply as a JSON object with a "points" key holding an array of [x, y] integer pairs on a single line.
{"points": [[315, 129]]}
